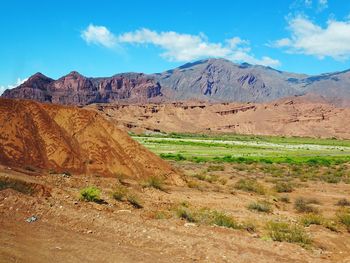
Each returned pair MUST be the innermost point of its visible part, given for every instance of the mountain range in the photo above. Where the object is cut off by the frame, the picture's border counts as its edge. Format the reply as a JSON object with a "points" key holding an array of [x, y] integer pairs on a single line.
{"points": [[207, 80]]}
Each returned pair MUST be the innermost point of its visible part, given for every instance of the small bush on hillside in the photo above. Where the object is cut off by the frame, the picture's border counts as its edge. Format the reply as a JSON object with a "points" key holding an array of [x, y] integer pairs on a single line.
{"points": [[284, 187], [260, 206], [343, 202], [285, 199], [344, 218], [250, 185], [312, 219], [134, 201], [282, 231], [221, 219], [155, 182], [207, 177], [331, 178], [303, 206], [207, 217], [216, 168], [186, 214], [120, 193], [90, 194]]}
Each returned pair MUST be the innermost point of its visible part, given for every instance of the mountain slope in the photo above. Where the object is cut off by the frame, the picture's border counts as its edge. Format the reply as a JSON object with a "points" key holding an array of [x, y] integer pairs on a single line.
{"points": [[220, 79], [70, 139]]}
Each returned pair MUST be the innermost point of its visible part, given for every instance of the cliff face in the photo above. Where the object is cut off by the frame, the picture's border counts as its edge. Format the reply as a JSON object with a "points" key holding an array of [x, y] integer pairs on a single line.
{"points": [[64, 138], [77, 89]]}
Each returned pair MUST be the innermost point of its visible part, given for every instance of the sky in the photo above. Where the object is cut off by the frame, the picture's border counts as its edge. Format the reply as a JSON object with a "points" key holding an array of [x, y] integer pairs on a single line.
{"points": [[105, 37]]}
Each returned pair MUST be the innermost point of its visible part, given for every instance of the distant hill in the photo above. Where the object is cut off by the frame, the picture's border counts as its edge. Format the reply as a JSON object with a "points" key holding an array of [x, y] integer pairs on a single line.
{"points": [[209, 79]]}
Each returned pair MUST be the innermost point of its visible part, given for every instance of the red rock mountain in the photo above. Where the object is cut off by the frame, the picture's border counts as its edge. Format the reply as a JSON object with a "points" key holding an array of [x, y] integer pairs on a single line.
{"points": [[76, 89], [64, 138]]}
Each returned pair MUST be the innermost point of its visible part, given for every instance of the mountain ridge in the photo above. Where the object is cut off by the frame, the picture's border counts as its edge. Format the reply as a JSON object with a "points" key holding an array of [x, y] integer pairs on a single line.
{"points": [[210, 79]]}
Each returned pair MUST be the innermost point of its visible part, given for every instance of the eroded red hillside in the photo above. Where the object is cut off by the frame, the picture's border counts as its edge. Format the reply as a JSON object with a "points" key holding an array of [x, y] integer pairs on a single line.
{"points": [[70, 139]]}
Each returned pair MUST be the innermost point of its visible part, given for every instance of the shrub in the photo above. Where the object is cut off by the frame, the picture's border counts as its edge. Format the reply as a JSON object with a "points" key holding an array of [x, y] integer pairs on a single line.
{"points": [[90, 194], [344, 218], [185, 213], [221, 219], [250, 185], [120, 193], [215, 168], [195, 185], [331, 178], [303, 206], [284, 187], [206, 177], [312, 219], [260, 206], [155, 182], [282, 231], [285, 199], [206, 216], [134, 201], [343, 202]]}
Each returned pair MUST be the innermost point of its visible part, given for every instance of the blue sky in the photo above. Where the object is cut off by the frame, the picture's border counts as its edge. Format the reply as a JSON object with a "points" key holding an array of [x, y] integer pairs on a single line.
{"points": [[101, 38]]}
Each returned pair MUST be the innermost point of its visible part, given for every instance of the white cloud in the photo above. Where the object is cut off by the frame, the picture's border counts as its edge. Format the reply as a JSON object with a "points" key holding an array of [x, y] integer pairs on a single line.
{"points": [[311, 39], [176, 46], [99, 35], [18, 82], [186, 47]]}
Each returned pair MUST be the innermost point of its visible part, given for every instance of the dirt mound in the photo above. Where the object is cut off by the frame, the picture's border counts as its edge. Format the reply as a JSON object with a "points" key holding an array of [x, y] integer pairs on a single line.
{"points": [[69, 139], [309, 116]]}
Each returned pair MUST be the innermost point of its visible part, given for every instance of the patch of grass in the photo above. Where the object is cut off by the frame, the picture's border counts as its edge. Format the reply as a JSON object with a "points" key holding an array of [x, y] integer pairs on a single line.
{"points": [[312, 219], [343, 202], [90, 194], [250, 185], [283, 231], [186, 214], [162, 215], [210, 178], [284, 187], [260, 206], [302, 205], [221, 219], [284, 199], [155, 182], [216, 168], [135, 201], [330, 178], [195, 185], [120, 193], [207, 217], [171, 156], [344, 218]]}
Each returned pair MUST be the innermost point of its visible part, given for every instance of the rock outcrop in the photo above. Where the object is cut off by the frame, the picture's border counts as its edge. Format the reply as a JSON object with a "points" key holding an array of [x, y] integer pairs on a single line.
{"points": [[75, 89]]}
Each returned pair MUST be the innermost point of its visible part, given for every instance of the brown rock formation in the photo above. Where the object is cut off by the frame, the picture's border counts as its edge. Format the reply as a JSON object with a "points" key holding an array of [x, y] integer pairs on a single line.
{"points": [[70, 139]]}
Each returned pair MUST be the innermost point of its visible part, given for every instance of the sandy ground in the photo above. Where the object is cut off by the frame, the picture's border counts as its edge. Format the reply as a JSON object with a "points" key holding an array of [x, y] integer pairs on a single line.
{"points": [[70, 230]]}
